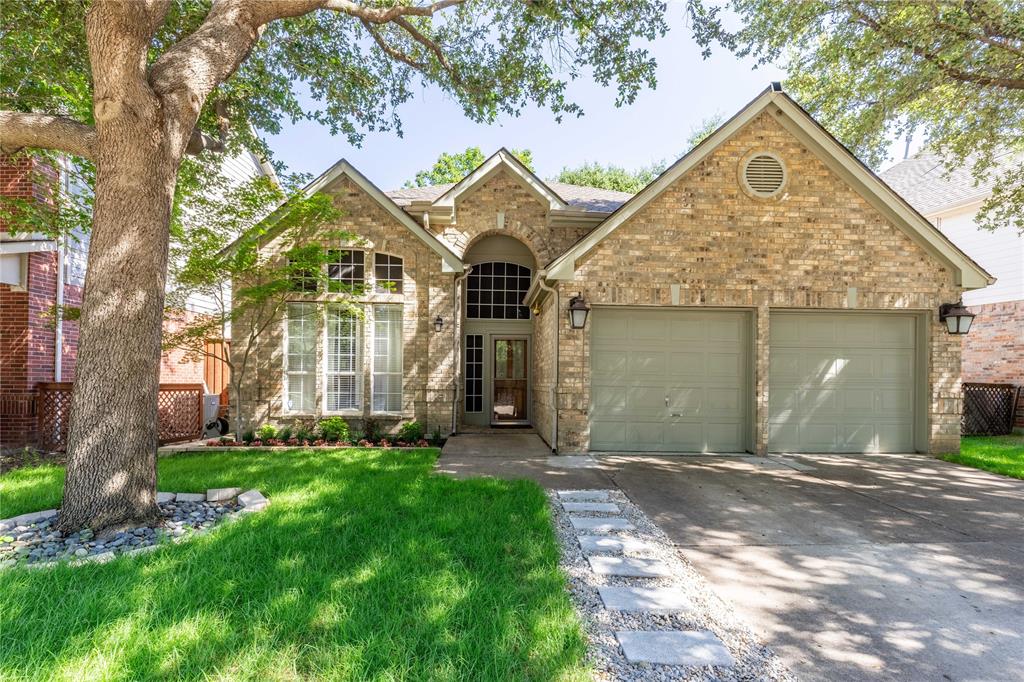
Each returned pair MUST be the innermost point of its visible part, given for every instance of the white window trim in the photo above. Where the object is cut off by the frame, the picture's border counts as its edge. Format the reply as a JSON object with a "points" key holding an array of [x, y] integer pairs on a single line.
{"points": [[373, 360], [285, 371], [357, 371]]}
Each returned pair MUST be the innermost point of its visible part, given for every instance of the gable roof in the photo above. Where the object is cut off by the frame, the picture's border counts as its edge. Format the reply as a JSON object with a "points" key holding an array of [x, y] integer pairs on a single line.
{"points": [[592, 199], [924, 181], [839, 159], [502, 159], [450, 262]]}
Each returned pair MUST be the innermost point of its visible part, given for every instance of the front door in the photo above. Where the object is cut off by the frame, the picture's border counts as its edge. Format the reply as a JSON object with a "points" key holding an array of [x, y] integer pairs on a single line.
{"points": [[509, 382]]}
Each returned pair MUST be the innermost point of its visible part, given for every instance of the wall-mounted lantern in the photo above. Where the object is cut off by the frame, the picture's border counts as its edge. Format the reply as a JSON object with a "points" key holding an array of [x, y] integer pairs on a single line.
{"points": [[958, 319], [438, 324], [578, 311]]}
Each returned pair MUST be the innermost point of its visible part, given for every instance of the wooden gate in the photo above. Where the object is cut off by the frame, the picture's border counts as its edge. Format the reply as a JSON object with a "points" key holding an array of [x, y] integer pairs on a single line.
{"points": [[989, 409], [179, 413]]}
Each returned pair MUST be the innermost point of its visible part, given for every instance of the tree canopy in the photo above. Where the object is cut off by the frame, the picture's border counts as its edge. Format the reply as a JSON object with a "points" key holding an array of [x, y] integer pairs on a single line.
{"points": [[873, 71], [450, 168]]}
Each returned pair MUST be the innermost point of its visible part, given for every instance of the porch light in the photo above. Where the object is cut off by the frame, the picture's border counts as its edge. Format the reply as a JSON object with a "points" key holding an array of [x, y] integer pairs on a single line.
{"points": [[578, 311], [957, 318], [438, 324]]}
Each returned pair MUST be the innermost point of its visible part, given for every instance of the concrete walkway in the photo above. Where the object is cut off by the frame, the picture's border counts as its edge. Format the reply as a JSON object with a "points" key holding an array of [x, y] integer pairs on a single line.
{"points": [[850, 568]]}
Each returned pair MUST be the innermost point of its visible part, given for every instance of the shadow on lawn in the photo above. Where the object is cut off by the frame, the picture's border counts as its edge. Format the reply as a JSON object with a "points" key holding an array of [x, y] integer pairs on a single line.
{"points": [[365, 566]]}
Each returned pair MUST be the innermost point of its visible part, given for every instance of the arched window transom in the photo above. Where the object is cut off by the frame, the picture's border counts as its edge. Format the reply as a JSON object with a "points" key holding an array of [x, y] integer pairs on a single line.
{"points": [[495, 291]]}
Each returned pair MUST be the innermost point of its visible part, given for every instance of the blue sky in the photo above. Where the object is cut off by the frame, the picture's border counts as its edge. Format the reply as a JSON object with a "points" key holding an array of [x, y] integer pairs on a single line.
{"points": [[655, 127]]}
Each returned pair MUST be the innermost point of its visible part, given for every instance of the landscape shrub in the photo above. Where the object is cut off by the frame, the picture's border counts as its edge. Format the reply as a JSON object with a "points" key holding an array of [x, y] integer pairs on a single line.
{"points": [[266, 432], [333, 429], [410, 432], [371, 430]]}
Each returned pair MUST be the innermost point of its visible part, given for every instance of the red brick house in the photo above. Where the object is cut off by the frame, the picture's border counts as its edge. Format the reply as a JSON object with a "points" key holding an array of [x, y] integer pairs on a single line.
{"points": [[38, 274]]}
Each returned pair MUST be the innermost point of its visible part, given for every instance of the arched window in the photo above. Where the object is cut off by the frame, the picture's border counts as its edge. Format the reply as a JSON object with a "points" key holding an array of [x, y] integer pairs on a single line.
{"points": [[495, 291]]}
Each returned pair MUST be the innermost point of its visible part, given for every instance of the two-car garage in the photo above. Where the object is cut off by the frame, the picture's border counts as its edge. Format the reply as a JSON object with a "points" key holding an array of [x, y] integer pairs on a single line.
{"points": [[682, 380]]}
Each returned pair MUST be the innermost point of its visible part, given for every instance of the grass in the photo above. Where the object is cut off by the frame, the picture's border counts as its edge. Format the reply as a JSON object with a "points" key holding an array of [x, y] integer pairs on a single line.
{"points": [[366, 566], [999, 454]]}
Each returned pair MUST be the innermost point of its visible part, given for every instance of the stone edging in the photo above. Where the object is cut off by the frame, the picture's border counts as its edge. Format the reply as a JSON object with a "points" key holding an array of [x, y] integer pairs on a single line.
{"points": [[250, 501]]}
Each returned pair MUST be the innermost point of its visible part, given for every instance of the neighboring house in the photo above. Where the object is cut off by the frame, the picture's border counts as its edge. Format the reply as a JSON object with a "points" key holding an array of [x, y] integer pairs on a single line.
{"points": [[994, 350], [37, 274], [765, 293]]}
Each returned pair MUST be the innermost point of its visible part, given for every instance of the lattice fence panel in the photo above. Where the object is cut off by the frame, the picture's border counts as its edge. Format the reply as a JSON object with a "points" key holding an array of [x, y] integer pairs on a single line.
{"points": [[179, 410], [988, 409]]}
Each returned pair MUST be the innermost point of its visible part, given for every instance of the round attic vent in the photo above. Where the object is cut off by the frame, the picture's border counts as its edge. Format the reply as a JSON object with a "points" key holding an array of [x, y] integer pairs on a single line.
{"points": [[764, 174]]}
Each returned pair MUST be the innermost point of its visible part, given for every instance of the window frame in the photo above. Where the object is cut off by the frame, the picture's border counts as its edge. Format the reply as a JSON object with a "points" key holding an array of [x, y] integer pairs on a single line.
{"points": [[302, 281], [399, 287], [286, 372], [357, 365], [401, 360], [356, 285], [490, 293]]}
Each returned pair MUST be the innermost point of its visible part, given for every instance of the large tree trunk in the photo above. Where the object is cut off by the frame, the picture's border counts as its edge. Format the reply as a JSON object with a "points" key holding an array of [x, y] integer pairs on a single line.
{"points": [[111, 473]]}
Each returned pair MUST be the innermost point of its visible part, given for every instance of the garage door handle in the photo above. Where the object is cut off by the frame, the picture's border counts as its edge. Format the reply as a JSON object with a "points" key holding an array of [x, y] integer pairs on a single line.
{"points": [[666, 401]]}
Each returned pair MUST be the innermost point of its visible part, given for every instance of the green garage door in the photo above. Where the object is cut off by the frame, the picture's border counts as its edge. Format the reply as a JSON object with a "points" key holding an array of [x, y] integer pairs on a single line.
{"points": [[841, 382], [669, 380]]}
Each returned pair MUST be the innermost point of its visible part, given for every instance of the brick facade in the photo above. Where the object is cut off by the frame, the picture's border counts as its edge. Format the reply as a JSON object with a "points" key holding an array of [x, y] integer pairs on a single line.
{"points": [[993, 352], [727, 249]]}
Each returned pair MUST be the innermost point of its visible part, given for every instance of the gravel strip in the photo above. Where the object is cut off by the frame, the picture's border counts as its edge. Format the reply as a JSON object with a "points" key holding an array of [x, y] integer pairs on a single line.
{"points": [[753, 660]]}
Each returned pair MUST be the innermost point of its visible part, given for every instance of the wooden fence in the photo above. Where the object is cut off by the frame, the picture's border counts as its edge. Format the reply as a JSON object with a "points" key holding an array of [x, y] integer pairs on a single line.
{"points": [[989, 409], [179, 413]]}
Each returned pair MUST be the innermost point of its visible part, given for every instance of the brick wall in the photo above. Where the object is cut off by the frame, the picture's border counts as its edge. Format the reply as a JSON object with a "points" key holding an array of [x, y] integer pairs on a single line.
{"points": [[993, 351], [725, 248], [429, 372]]}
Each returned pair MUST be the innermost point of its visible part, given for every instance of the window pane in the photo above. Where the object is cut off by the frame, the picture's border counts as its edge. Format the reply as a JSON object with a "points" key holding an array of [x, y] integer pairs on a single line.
{"points": [[497, 296], [341, 360], [387, 358], [474, 372], [300, 357], [345, 270], [302, 279], [387, 271]]}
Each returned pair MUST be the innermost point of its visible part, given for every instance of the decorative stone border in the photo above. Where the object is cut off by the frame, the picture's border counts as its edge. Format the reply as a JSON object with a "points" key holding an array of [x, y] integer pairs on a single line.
{"points": [[248, 502]]}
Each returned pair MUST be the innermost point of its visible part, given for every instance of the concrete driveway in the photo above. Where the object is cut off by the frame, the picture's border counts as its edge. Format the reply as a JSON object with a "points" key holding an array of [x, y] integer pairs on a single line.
{"points": [[874, 567]]}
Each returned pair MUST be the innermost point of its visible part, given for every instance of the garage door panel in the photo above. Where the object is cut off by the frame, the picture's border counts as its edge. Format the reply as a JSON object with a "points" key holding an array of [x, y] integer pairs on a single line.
{"points": [[828, 395], [609, 362], [648, 362], [684, 370]]}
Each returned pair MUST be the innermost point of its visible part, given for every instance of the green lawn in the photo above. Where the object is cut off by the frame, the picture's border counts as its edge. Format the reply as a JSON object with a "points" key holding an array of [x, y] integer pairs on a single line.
{"points": [[1000, 454], [366, 566]]}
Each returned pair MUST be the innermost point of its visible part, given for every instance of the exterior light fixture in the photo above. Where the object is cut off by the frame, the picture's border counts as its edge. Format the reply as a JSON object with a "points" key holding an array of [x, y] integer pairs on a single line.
{"points": [[578, 311], [438, 324], [958, 319]]}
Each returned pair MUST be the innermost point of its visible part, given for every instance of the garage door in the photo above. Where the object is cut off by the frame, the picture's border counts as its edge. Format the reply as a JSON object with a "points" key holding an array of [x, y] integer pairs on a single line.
{"points": [[669, 381], [841, 383]]}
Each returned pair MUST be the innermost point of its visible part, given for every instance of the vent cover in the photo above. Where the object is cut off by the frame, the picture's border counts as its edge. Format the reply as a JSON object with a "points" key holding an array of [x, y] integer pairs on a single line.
{"points": [[764, 175]]}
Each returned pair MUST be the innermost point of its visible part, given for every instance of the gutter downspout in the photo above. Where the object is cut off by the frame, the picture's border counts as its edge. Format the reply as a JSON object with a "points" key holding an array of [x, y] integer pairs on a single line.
{"points": [[58, 329], [456, 345], [554, 387]]}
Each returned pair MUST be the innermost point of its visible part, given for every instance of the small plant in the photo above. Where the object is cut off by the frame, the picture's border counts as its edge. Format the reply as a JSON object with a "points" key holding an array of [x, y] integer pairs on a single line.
{"points": [[284, 433], [385, 443], [435, 438], [303, 434], [410, 432], [333, 429], [371, 430], [248, 436], [266, 432]]}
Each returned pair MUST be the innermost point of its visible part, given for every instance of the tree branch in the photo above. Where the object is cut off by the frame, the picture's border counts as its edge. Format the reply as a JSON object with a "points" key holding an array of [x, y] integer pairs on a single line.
{"points": [[430, 45], [388, 49], [20, 129]]}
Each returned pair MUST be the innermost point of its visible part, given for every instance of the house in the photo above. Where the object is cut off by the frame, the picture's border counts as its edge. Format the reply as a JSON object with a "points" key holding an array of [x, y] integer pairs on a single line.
{"points": [[766, 293], [994, 350], [39, 274]]}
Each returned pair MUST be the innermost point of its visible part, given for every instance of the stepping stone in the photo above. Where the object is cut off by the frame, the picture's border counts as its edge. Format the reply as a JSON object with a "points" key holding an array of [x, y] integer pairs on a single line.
{"points": [[252, 500], [674, 647], [599, 525], [646, 599], [583, 495], [190, 497], [573, 462], [603, 507], [629, 567], [221, 494], [606, 544]]}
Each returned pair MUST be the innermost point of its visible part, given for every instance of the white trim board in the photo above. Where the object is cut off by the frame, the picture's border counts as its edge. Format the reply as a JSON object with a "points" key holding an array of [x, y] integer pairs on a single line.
{"points": [[839, 159]]}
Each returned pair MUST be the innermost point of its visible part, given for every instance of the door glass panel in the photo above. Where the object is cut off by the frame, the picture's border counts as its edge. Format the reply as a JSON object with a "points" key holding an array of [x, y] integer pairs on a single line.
{"points": [[509, 380]]}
